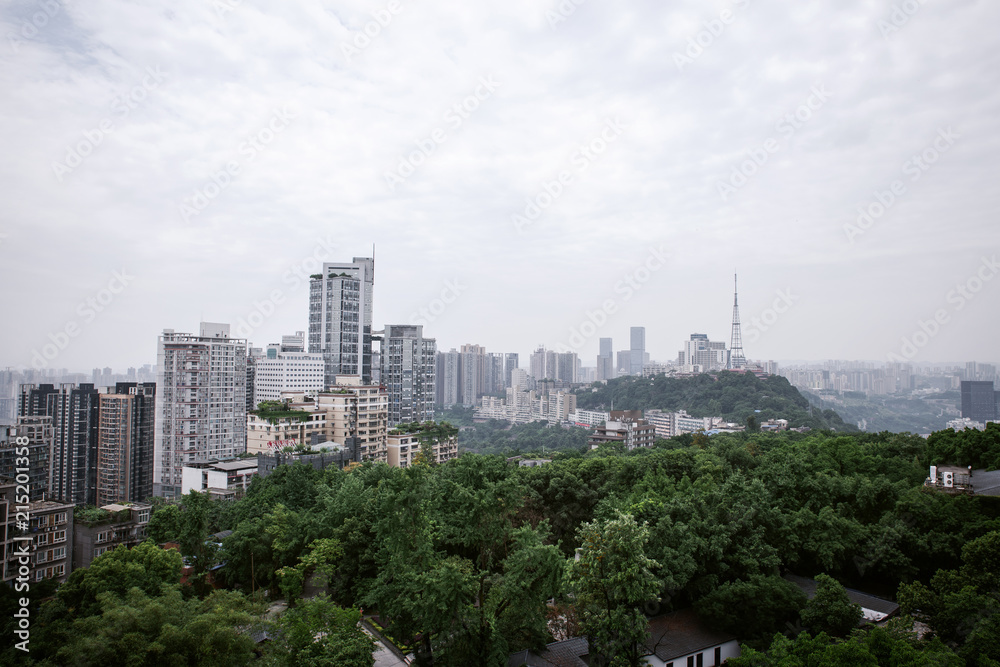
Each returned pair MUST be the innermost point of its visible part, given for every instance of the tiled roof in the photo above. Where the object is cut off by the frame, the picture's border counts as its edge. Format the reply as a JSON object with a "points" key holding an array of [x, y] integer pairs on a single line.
{"points": [[681, 633]]}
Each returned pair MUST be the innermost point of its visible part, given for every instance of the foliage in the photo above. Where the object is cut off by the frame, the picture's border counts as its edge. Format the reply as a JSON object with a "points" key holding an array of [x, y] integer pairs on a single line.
{"points": [[753, 609], [500, 437], [733, 396], [963, 606], [830, 610], [968, 447], [317, 633], [275, 411], [613, 579]]}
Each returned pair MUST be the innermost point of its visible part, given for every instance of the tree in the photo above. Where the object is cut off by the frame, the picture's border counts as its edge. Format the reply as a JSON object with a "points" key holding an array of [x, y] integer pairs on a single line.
{"points": [[612, 580], [318, 633], [140, 630], [830, 610], [146, 567], [753, 609]]}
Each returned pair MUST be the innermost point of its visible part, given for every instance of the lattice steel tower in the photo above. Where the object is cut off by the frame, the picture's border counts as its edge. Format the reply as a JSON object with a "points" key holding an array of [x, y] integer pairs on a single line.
{"points": [[736, 358]]}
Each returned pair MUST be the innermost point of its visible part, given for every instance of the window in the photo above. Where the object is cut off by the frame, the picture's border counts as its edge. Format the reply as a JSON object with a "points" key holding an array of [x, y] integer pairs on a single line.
{"points": [[690, 661], [58, 536], [58, 553], [59, 570], [144, 516], [61, 517], [718, 656], [41, 557], [39, 575], [701, 660]]}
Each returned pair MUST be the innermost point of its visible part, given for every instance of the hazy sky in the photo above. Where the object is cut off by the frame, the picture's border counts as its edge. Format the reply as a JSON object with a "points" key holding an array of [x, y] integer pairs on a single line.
{"points": [[185, 160]]}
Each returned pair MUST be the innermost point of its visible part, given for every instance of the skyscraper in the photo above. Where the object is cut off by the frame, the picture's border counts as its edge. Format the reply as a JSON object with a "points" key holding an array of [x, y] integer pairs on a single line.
{"points": [[637, 350], [201, 406], [606, 360], [510, 364], [448, 391], [125, 441], [408, 373], [340, 318], [74, 412], [979, 401], [472, 374]]}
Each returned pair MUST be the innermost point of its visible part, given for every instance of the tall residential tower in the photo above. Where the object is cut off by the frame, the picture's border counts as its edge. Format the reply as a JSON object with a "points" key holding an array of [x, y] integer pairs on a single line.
{"points": [[340, 318]]}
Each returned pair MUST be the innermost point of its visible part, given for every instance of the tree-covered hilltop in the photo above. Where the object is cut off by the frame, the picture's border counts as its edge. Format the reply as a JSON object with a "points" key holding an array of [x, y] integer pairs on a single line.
{"points": [[732, 396]]}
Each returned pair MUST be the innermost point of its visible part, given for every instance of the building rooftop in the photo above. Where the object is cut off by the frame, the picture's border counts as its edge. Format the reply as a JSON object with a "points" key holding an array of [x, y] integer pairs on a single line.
{"points": [[986, 483], [241, 464], [874, 608]]}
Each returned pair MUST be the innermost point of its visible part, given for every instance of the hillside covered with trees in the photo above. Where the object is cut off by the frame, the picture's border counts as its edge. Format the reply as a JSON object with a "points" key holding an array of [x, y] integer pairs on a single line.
{"points": [[733, 396], [457, 561]]}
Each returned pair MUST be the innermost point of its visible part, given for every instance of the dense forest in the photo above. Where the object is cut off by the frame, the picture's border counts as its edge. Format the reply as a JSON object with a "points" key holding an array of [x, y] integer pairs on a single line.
{"points": [[456, 562], [733, 396]]}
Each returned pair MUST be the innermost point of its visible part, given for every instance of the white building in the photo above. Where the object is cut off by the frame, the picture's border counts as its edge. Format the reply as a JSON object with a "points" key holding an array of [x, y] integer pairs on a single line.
{"points": [[589, 417], [278, 371], [340, 318], [200, 402]]}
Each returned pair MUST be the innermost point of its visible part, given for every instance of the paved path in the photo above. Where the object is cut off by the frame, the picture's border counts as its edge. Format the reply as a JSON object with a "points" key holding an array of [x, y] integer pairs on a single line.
{"points": [[384, 657]]}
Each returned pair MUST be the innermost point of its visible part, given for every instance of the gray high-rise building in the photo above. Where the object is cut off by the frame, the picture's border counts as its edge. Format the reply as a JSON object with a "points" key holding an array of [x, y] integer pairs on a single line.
{"points": [[637, 350], [201, 404], [340, 318], [74, 411], [510, 364], [979, 401], [408, 373], [606, 361], [449, 365]]}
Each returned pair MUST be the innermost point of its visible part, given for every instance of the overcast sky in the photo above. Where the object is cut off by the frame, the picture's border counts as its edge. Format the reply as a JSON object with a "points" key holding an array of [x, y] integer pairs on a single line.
{"points": [[185, 160]]}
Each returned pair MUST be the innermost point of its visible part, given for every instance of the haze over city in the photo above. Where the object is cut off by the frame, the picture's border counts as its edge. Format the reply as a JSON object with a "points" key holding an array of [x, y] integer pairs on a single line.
{"points": [[528, 157]]}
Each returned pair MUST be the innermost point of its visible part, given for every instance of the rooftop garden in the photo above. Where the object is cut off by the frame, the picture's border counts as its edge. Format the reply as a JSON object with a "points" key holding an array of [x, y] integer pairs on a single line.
{"points": [[90, 515], [275, 411]]}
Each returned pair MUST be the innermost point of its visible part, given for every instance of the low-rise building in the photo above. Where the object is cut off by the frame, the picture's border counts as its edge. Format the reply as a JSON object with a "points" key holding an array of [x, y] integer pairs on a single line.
{"points": [[37, 544], [270, 431], [221, 479], [115, 525], [626, 427], [588, 417], [404, 443]]}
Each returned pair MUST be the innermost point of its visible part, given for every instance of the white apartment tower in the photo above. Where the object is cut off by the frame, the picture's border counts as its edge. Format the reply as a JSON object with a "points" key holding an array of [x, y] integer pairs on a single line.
{"points": [[200, 402], [340, 318]]}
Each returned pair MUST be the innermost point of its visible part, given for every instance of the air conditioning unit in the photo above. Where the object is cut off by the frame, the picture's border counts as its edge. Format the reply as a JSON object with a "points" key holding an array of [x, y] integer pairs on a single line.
{"points": [[949, 479]]}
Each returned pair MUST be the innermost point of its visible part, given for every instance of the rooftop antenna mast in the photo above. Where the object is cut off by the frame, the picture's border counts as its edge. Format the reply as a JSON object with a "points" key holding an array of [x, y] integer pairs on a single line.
{"points": [[736, 358]]}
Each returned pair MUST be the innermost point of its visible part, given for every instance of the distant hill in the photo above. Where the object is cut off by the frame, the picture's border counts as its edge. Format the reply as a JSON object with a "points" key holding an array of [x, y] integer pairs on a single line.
{"points": [[733, 396]]}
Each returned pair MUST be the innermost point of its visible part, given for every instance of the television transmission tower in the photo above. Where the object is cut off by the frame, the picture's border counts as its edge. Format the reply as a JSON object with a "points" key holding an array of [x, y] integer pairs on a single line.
{"points": [[736, 358]]}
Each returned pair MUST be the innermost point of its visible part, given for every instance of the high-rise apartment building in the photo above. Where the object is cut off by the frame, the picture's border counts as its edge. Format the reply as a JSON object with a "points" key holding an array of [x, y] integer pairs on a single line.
{"points": [[637, 350], [200, 402], [605, 360], [32, 438], [704, 354], [408, 373], [125, 440], [979, 401], [340, 318], [74, 412], [510, 364], [472, 374], [448, 390]]}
